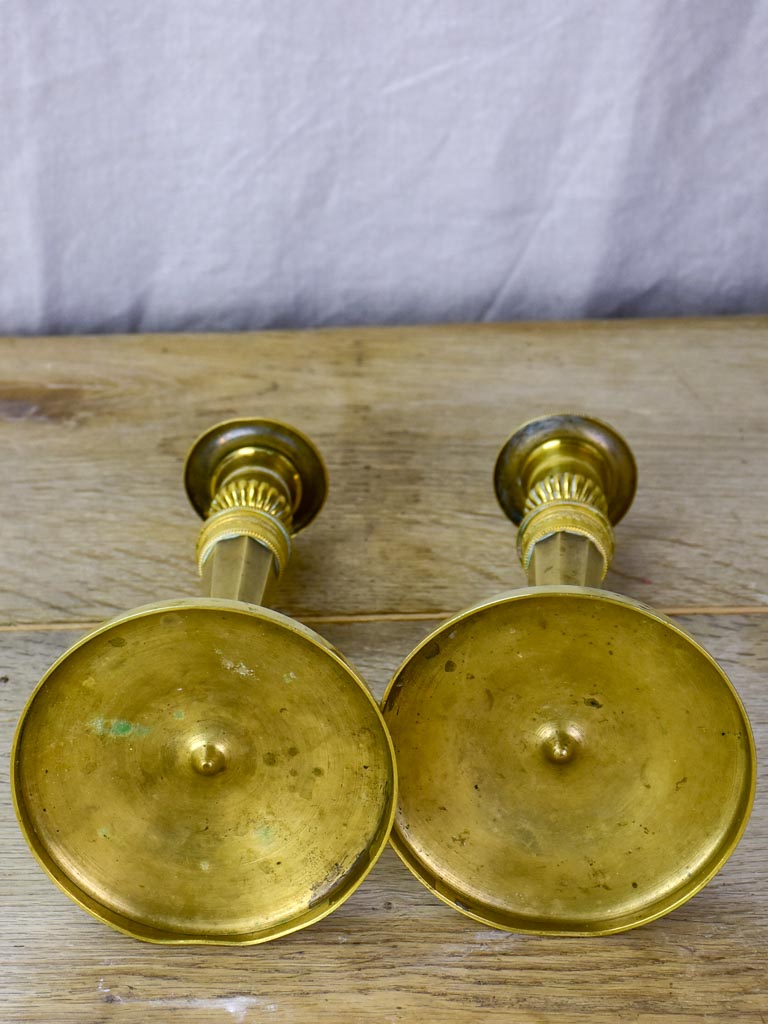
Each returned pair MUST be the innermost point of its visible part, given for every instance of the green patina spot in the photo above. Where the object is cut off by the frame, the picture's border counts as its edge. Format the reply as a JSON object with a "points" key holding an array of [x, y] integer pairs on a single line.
{"points": [[118, 727], [178, 715], [264, 833]]}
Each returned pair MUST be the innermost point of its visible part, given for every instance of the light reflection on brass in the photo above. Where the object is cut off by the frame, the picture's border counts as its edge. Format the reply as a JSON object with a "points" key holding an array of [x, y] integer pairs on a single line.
{"points": [[570, 761], [210, 770]]}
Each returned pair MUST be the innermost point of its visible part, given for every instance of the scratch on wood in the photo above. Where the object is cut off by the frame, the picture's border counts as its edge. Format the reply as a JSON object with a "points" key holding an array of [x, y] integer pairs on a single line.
{"points": [[236, 1006]]}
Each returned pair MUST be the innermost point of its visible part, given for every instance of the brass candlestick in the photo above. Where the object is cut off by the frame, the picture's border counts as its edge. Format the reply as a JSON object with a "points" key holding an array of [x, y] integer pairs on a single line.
{"points": [[210, 770], [570, 761]]}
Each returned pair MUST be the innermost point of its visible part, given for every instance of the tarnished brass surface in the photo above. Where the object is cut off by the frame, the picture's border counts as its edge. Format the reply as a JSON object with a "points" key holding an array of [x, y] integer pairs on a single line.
{"points": [[243, 448], [210, 770], [240, 568], [565, 445], [568, 559], [570, 761], [565, 476], [254, 481]]}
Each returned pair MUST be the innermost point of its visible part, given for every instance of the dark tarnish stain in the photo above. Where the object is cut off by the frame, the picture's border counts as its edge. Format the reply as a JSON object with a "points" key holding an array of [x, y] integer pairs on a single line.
{"points": [[450, 666], [432, 650], [270, 758], [317, 772], [44, 404], [293, 751], [391, 701], [681, 782], [4, 679], [489, 699], [591, 702], [319, 889], [461, 838], [118, 641]]}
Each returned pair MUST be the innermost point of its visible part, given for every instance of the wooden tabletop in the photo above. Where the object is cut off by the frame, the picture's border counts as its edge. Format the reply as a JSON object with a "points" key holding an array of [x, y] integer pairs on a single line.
{"points": [[93, 433]]}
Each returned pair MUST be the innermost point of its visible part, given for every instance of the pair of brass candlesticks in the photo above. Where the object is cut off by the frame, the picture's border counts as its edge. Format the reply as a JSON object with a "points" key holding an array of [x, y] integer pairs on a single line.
{"points": [[209, 770]]}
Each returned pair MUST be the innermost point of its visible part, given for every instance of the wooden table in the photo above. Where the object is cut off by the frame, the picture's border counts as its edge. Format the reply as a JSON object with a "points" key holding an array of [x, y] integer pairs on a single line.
{"points": [[93, 436]]}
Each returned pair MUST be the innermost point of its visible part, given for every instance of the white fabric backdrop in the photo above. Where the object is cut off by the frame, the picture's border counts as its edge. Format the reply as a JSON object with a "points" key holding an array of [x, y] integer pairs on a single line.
{"points": [[226, 164]]}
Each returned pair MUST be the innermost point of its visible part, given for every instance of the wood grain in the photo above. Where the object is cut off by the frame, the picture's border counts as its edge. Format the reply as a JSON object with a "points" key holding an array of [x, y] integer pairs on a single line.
{"points": [[393, 953], [94, 431], [93, 434]]}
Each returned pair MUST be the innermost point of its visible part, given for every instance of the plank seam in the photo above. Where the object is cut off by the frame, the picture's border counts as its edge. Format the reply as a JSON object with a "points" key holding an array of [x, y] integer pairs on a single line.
{"points": [[375, 617]]}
